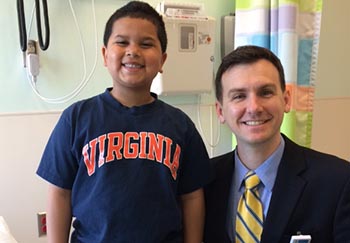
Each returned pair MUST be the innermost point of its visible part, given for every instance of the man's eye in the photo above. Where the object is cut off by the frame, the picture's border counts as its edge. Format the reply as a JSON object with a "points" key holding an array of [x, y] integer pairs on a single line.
{"points": [[266, 93], [237, 97]]}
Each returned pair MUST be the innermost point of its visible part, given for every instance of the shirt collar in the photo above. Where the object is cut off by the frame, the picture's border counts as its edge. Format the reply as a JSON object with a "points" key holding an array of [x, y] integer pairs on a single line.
{"points": [[267, 171]]}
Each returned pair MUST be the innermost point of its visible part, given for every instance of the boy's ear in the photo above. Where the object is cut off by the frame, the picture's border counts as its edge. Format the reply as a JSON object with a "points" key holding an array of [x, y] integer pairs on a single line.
{"points": [[104, 55], [164, 57]]}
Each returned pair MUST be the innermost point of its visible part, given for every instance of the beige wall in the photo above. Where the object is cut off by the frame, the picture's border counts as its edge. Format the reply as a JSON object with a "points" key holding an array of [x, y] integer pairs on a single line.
{"points": [[331, 131]]}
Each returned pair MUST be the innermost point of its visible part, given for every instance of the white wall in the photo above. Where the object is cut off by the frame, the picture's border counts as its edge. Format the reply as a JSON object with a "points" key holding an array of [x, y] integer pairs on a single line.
{"points": [[22, 193]]}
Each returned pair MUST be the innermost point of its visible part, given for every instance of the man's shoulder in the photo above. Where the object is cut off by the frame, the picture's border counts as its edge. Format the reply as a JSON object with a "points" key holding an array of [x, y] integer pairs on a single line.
{"points": [[317, 159], [328, 162], [223, 159]]}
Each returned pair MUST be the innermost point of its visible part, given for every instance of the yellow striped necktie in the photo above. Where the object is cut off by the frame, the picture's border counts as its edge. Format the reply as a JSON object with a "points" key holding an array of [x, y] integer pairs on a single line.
{"points": [[249, 219]]}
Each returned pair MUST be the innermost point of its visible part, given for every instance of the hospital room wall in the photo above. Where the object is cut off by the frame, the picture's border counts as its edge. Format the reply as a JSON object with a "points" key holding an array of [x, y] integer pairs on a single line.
{"points": [[330, 128], [26, 122]]}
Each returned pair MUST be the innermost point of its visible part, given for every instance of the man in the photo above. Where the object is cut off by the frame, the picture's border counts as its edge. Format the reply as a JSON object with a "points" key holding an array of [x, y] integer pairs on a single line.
{"points": [[301, 191]]}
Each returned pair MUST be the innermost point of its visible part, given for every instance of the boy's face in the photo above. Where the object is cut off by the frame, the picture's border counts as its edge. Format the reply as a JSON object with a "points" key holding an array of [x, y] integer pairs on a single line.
{"points": [[133, 54], [253, 103]]}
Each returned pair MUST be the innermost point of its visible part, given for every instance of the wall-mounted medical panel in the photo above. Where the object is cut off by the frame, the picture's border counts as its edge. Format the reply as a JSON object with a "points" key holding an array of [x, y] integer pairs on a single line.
{"points": [[189, 68]]}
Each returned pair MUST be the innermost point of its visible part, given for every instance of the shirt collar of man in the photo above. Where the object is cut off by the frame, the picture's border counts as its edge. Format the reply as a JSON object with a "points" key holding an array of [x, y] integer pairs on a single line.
{"points": [[266, 172]]}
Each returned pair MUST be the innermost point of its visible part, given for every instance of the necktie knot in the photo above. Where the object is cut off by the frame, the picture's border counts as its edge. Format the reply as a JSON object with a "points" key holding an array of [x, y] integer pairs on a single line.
{"points": [[251, 180]]}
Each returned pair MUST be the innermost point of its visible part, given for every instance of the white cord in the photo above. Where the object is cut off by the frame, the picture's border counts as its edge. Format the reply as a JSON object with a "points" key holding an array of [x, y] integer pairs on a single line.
{"points": [[85, 80], [212, 145]]}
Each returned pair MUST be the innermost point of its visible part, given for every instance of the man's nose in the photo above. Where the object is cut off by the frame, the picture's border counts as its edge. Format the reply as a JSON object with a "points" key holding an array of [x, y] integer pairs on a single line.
{"points": [[254, 103]]}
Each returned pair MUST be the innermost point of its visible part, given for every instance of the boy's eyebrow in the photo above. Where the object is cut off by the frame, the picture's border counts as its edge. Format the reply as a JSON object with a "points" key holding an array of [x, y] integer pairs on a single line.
{"points": [[119, 36], [127, 37]]}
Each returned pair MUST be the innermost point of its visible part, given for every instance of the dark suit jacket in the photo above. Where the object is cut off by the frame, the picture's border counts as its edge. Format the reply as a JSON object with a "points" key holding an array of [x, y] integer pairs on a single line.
{"points": [[311, 195]]}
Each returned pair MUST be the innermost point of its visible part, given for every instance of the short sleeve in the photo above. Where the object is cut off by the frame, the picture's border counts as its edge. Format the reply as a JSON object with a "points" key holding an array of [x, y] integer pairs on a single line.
{"points": [[196, 170], [58, 164]]}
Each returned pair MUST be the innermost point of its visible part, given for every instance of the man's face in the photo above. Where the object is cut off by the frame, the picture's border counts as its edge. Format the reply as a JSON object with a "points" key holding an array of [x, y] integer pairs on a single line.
{"points": [[253, 103]]}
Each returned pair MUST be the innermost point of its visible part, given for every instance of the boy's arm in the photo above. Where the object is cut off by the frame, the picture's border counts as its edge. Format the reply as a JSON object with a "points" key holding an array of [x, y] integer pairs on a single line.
{"points": [[59, 216], [193, 210]]}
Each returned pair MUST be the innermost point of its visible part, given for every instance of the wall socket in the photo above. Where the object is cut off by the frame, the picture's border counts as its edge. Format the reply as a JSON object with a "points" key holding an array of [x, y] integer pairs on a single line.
{"points": [[41, 218]]}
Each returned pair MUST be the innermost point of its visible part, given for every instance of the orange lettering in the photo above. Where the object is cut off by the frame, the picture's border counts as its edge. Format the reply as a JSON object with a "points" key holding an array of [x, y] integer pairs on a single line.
{"points": [[131, 149], [90, 163], [175, 165], [101, 141], [112, 148], [168, 143], [142, 154], [155, 147]]}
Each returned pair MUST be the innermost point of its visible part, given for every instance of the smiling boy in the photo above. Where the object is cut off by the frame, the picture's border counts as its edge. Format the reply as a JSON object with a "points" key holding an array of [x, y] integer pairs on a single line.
{"points": [[122, 163]]}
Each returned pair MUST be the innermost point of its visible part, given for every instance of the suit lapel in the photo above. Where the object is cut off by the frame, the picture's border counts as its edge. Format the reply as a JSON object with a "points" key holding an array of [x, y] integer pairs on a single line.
{"points": [[286, 192], [217, 197], [226, 181]]}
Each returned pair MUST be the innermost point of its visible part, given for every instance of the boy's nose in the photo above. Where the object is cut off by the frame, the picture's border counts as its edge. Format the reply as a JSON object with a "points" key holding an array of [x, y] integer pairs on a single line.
{"points": [[132, 51], [131, 54]]}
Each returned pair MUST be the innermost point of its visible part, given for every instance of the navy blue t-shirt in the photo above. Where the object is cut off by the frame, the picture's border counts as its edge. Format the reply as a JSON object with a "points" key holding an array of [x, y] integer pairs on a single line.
{"points": [[126, 168]]}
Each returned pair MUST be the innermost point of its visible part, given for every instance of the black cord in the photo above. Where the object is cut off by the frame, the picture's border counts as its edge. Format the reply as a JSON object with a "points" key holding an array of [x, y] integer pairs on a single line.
{"points": [[43, 45], [22, 25]]}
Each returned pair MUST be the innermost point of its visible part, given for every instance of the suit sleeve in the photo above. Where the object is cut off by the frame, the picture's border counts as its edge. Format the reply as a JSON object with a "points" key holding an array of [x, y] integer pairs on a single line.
{"points": [[342, 217]]}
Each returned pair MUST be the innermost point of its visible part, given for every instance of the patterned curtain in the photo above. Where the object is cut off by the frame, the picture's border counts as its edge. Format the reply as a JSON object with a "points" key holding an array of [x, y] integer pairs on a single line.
{"points": [[290, 28]]}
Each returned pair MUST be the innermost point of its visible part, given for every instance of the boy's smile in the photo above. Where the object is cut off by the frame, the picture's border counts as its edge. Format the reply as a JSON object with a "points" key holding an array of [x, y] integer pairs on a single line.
{"points": [[133, 55]]}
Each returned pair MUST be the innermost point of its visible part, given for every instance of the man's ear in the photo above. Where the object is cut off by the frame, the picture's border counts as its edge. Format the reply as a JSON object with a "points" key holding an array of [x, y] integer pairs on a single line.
{"points": [[219, 112], [287, 100]]}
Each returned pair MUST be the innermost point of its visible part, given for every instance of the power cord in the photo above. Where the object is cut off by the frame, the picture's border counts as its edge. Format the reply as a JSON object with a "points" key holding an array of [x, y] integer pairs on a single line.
{"points": [[33, 62], [211, 144]]}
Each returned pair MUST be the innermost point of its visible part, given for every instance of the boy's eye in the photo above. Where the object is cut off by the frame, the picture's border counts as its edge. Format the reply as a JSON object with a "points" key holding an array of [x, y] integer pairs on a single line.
{"points": [[121, 42], [146, 44]]}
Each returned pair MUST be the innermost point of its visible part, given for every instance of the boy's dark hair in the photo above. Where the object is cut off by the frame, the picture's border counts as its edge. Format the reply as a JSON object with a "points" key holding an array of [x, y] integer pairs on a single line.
{"points": [[246, 55], [141, 10]]}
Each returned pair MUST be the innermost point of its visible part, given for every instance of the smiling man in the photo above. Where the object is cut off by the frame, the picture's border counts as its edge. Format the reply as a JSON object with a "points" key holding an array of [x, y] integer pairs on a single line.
{"points": [[297, 190]]}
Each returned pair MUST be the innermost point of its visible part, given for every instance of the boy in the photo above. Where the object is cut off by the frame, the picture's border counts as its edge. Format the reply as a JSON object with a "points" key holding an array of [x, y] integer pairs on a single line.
{"points": [[125, 165]]}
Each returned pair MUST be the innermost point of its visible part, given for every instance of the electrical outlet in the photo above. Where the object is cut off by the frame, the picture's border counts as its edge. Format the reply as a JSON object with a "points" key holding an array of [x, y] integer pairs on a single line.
{"points": [[41, 217]]}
